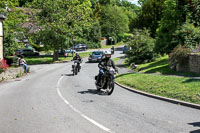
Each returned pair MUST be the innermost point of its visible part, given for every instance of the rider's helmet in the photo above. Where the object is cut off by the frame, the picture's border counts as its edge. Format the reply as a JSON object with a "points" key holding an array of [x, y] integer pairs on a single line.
{"points": [[77, 54], [107, 54]]}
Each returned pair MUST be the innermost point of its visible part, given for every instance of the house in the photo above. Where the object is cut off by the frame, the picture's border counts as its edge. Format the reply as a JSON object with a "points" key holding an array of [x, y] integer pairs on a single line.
{"points": [[2, 18]]}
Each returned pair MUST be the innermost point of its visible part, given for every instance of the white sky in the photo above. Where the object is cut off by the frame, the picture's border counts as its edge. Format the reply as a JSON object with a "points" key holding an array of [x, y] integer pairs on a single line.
{"points": [[133, 1]]}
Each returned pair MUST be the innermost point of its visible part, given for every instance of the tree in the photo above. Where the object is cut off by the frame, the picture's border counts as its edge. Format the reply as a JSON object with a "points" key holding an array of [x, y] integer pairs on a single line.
{"points": [[107, 2], [23, 2], [131, 10], [171, 20], [95, 32], [194, 12], [63, 19], [10, 3], [113, 21], [141, 2], [150, 15], [12, 26]]}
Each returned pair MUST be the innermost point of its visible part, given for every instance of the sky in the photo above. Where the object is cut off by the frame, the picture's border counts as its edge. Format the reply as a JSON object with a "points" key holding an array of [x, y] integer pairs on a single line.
{"points": [[133, 1]]}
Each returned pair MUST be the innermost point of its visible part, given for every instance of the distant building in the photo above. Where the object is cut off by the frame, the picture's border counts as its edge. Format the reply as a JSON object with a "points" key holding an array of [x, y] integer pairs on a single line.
{"points": [[103, 41]]}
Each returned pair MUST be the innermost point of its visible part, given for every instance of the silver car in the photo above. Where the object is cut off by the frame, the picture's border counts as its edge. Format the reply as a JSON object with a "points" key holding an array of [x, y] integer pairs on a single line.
{"points": [[96, 56]]}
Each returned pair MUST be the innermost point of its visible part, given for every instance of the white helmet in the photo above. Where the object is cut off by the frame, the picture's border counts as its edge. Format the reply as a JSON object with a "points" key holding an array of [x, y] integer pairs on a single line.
{"points": [[107, 54]]}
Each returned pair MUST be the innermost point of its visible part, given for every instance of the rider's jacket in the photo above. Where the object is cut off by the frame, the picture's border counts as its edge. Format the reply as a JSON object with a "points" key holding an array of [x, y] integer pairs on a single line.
{"points": [[77, 58], [107, 62]]}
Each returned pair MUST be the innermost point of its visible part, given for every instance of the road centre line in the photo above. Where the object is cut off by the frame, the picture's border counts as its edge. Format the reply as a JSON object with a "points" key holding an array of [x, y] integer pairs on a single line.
{"points": [[79, 112]]}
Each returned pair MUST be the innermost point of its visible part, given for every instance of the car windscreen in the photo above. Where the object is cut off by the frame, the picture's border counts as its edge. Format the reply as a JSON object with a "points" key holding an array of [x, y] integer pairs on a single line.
{"points": [[96, 53]]}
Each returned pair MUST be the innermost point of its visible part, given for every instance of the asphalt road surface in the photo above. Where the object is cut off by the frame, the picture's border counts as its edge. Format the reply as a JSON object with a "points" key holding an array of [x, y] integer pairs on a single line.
{"points": [[51, 100]]}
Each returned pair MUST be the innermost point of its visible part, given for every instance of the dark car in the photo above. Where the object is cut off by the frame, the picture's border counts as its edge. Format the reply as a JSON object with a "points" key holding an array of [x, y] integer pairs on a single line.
{"points": [[80, 47], [27, 52], [125, 48], [96, 56]]}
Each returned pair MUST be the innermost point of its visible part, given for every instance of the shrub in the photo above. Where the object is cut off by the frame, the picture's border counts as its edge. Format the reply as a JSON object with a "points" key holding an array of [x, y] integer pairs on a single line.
{"points": [[142, 47], [3, 65], [125, 37], [93, 45], [188, 35], [12, 60], [179, 55]]}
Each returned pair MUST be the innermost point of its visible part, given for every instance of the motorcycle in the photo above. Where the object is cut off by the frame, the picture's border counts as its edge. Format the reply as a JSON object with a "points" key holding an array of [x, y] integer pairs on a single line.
{"points": [[112, 50], [76, 67], [107, 81]]}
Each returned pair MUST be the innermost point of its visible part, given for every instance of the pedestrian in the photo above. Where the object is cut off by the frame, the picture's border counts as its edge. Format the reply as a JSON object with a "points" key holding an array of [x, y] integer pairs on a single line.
{"points": [[23, 63], [65, 54]]}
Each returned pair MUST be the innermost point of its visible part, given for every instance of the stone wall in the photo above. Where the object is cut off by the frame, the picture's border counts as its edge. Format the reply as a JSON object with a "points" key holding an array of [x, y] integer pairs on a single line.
{"points": [[190, 65], [12, 73]]}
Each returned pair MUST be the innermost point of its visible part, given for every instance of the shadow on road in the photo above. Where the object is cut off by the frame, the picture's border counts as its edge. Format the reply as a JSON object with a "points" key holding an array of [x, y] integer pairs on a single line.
{"points": [[195, 124], [67, 74], [92, 62], [196, 131], [92, 91]]}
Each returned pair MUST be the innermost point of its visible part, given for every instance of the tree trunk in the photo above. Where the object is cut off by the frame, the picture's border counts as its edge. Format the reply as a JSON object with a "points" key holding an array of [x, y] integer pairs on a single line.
{"points": [[55, 55]]}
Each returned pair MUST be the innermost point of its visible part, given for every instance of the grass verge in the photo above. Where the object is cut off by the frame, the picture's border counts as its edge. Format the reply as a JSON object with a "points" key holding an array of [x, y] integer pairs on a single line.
{"points": [[110, 46], [116, 60], [49, 59], [160, 66], [179, 88]]}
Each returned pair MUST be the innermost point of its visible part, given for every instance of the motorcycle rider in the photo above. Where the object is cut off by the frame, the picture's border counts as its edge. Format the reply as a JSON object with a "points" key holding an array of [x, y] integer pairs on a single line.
{"points": [[79, 59], [112, 50], [105, 62]]}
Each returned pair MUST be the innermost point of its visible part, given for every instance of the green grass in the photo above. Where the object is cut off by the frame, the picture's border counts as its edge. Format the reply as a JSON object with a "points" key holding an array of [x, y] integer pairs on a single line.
{"points": [[116, 60], [161, 66], [110, 46], [180, 88], [49, 59]]}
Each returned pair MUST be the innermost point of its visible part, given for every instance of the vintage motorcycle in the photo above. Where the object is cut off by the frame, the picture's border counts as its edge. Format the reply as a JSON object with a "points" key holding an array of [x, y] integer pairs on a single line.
{"points": [[107, 81], [76, 67], [112, 50]]}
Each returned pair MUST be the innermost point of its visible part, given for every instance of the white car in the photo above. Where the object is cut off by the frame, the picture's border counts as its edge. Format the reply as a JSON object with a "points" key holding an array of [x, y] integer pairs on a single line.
{"points": [[70, 51]]}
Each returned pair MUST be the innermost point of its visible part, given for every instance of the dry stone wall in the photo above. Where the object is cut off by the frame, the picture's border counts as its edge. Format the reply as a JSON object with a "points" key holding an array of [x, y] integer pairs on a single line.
{"points": [[12, 73], [190, 65]]}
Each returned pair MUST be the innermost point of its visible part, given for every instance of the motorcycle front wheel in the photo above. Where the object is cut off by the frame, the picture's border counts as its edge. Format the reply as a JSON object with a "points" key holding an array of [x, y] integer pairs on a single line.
{"points": [[76, 71], [73, 69], [110, 87]]}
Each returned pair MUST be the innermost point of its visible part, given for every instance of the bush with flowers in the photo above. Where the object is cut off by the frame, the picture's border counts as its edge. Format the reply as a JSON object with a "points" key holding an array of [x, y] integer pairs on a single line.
{"points": [[3, 65]]}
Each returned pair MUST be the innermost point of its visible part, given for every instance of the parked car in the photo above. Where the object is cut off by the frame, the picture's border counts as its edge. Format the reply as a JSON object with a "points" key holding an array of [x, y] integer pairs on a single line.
{"points": [[27, 52], [80, 47], [125, 48], [70, 51], [96, 56]]}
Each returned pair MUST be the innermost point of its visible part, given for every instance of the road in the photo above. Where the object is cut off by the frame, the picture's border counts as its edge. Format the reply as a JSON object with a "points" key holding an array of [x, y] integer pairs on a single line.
{"points": [[51, 100]]}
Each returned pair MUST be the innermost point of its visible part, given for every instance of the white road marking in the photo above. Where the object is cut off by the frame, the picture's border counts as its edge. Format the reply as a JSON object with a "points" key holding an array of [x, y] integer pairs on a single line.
{"points": [[79, 112]]}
